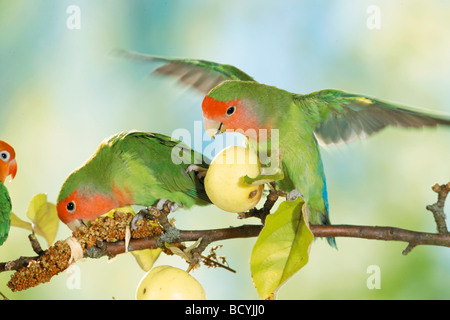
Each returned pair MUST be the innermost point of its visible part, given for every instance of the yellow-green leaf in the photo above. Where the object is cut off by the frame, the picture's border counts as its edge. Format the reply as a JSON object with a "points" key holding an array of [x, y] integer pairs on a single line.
{"points": [[44, 217], [17, 222], [281, 249], [146, 257], [126, 209]]}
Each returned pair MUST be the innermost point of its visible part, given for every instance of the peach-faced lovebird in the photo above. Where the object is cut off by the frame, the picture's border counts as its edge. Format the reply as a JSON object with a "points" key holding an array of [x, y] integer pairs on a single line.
{"points": [[131, 168], [235, 101], [8, 166]]}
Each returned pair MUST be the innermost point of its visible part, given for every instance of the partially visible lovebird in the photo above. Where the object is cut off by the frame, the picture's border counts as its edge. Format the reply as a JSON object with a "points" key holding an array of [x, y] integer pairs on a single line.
{"points": [[234, 101], [131, 168], [8, 167]]}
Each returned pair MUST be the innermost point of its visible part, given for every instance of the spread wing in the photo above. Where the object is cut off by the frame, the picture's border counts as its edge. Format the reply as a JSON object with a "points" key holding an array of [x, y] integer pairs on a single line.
{"points": [[339, 116], [201, 75]]}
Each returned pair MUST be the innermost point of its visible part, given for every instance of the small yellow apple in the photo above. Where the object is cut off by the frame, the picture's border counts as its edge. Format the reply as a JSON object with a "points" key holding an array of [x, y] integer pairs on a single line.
{"points": [[169, 283], [224, 180]]}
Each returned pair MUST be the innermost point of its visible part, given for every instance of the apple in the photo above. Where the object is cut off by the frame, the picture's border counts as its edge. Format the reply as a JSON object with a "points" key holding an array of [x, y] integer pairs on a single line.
{"points": [[169, 283], [224, 180]]}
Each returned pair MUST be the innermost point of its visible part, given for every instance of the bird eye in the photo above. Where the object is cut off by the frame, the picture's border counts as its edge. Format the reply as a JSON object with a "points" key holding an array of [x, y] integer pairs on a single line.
{"points": [[70, 206], [4, 155], [231, 110]]}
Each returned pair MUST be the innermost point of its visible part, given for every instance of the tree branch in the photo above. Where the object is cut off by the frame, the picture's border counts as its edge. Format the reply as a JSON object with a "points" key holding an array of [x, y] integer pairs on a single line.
{"points": [[106, 236], [319, 231], [413, 238], [245, 231], [438, 208]]}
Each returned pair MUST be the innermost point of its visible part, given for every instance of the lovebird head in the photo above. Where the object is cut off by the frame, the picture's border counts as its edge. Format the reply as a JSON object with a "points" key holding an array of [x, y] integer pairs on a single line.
{"points": [[128, 168], [8, 164], [82, 200], [246, 106]]}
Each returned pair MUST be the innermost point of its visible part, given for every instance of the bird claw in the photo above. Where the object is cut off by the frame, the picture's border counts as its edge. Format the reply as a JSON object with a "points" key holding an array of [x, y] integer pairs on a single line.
{"points": [[200, 171], [140, 215], [172, 205], [293, 195], [160, 204]]}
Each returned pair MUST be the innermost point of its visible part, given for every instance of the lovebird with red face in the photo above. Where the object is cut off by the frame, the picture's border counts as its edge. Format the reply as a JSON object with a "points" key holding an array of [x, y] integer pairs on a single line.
{"points": [[8, 167], [235, 101], [132, 168]]}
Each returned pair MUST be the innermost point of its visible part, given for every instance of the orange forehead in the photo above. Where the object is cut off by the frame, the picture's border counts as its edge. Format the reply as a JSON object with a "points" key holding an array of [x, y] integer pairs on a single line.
{"points": [[244, 118], [213, 109], [5, 146]]}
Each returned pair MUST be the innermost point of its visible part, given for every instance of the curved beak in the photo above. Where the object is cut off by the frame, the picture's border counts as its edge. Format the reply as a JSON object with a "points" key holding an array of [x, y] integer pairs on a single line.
{"points": [[76, 224], [213, 128], [12, 169]]}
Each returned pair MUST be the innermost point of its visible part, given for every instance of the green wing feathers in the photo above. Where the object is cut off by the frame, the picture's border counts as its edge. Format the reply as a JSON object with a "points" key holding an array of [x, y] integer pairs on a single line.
{"points": [[164, 160], [202, 75], [5, 213], [339, 116]]}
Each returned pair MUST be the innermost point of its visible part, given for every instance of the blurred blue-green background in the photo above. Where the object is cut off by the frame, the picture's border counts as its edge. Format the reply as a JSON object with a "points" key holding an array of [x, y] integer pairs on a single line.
{"points": [[62, 93]]}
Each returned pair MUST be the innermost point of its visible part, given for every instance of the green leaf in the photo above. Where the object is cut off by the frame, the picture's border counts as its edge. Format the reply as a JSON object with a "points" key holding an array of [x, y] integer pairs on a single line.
{"points": [[126, 209], [281, 249], [264, 178], [44, 217], [146, 257], [17, 222]]}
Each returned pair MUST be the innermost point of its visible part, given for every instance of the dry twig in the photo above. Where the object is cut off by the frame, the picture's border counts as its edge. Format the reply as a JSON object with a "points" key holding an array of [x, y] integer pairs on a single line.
{"points": [[438, 208]]}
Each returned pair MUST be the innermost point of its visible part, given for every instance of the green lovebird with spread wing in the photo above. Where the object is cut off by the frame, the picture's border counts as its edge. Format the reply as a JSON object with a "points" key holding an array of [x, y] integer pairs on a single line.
{"points": [[132, 168], [8, 166], [234, 100]]}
